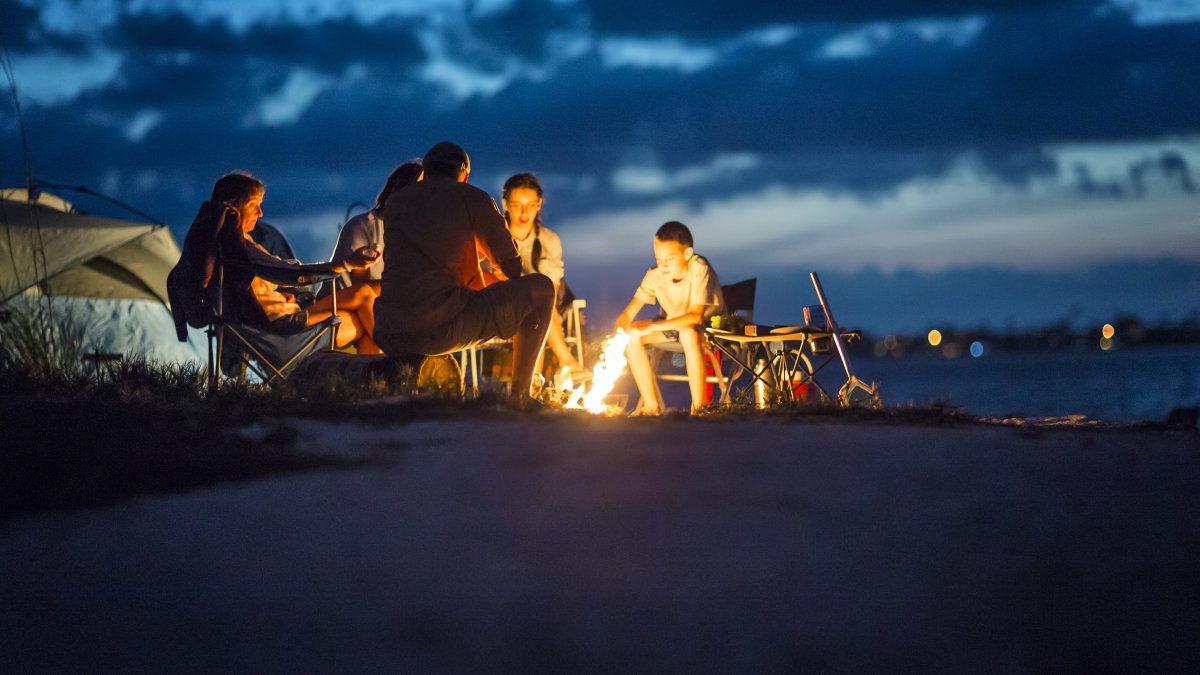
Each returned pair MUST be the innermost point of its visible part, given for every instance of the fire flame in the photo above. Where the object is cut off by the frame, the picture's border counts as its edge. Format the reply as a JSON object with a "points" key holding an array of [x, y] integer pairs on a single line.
{"points": [[604, 375]]}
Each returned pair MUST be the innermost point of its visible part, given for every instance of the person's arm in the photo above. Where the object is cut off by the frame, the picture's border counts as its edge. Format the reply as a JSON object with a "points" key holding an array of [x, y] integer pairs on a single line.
{"points": [[642, 296], [358, 260], [356, 234], [361, 259], [492, 237], [694, 317], [625, 320]]}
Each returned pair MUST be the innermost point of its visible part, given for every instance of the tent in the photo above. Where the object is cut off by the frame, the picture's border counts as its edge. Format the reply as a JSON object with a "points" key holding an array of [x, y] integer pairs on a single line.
{"points": [[108, 275]]}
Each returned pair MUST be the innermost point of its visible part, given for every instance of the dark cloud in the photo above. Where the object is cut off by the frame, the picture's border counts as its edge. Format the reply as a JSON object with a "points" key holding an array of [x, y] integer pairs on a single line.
{"points": [[328, 46], [722, 18], [1171, 167], [1039, 76], [1175, 167], [526, 25], [19, 27], [21, 30]]}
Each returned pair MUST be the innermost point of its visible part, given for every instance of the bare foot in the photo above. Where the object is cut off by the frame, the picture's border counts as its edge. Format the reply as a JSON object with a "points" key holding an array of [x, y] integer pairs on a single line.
{"points": [[646, 412]]}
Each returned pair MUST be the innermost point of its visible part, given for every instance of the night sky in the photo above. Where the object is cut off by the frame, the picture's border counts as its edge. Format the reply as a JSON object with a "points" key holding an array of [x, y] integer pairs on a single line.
{"points": [[950, 162]]}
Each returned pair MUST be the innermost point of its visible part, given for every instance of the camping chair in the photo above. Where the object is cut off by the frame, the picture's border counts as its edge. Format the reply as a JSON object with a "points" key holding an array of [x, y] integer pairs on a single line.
{"points": [[570, 307], [739, 299], [782, 360], [228, 311]]}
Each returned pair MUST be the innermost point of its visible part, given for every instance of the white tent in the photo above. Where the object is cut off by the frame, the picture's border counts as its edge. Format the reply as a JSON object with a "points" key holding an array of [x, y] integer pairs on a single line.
{"points": [[109, 276]]}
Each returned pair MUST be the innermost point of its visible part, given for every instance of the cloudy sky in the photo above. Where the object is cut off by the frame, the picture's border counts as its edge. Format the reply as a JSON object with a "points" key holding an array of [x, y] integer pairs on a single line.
{"points": [[940, 162]]}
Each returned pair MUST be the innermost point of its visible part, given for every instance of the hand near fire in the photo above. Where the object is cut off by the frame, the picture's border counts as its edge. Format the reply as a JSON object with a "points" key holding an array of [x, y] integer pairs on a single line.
{"points": [[362, 258], [634, 329]]}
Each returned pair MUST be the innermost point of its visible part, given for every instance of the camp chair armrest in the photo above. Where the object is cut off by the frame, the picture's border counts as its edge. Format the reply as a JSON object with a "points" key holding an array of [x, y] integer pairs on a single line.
{"points": [[283, 274]]}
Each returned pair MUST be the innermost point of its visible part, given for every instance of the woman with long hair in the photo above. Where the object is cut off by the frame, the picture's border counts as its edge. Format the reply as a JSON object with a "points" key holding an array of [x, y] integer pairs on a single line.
{"points": [[366, 229], [244, 193], [541, 251]]}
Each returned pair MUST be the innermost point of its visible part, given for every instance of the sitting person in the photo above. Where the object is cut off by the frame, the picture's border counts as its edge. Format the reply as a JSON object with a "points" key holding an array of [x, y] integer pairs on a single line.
{"points": [[541, 251], [244, 194], [437, 231], [686, 288], [366, 229]]}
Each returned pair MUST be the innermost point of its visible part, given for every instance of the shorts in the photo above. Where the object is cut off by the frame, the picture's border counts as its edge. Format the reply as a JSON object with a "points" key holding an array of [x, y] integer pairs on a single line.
{"points": [[493, 312], [289, 325]]}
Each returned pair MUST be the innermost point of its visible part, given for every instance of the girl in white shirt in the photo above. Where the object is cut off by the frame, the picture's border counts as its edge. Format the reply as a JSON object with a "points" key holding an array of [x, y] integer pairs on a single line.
{"points": [[541, 251]]}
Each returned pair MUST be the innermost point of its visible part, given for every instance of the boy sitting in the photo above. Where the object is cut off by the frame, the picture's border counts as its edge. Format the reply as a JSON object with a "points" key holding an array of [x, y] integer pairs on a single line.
{"points": [[686, 288]]}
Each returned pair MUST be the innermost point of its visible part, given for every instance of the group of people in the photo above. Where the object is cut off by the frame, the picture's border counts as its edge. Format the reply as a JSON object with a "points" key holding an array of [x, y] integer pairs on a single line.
{"points": [[435, 267]]}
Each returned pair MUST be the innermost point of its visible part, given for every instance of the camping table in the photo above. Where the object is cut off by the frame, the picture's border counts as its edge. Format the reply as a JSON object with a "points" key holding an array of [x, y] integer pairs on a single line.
{"points": [[793, 356]]}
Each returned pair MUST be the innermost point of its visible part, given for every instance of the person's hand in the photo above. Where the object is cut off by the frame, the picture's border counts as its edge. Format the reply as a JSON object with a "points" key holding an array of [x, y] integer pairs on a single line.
{"points": [[362, 258], [639, 328], [621, 324]]}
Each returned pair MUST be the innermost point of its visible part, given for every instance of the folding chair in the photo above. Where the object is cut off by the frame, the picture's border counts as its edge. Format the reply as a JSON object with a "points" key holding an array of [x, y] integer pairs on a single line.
{"points": [[782, 359], [202, 296], [570, 307], [739, 299]]}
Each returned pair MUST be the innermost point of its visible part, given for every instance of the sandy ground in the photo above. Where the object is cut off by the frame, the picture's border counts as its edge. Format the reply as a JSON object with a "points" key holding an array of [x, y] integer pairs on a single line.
{"points": [[637, 546]]}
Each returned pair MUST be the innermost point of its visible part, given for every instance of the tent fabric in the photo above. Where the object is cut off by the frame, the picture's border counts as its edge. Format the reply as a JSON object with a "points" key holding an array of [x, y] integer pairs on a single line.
{"points": [[145, 252], [131, 328], [109, 276]]}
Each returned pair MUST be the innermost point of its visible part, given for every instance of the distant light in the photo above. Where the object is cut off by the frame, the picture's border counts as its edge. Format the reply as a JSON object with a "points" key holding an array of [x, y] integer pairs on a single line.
{"points": [[1108, 331], [977, 349], [935, 337], [1106, 344]]}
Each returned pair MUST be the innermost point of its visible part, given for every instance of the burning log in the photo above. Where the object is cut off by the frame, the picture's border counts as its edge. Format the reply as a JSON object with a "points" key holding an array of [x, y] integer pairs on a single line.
{"points": [[604, 376]]}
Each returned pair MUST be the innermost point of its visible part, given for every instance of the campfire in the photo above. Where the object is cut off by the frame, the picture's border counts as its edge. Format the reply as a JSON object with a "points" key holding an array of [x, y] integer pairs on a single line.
{"points": [[604, 376]]}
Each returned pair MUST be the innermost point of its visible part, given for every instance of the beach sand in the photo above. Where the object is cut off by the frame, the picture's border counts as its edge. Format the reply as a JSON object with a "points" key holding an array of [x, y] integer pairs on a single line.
{"points": [[562, 544]]}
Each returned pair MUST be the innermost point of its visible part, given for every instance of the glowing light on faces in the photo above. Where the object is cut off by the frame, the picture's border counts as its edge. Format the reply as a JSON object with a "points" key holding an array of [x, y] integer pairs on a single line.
{"points": [[671, 258], [604, 375], [522, 205], [1107, 332], [250, 211], [935, 337], [1106, 344]]}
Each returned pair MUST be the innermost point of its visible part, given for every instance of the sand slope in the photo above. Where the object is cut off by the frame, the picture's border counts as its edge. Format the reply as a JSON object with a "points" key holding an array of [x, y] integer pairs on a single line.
{"points": [[616, 545]]}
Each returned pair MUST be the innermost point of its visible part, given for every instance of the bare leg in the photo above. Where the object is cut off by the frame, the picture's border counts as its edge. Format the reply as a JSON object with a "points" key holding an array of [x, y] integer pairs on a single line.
{"points": [[354, 298], [366, 345], [531, 335], [357, 302], [557, 343], [349, 330], [693, 354], [643, 376]]}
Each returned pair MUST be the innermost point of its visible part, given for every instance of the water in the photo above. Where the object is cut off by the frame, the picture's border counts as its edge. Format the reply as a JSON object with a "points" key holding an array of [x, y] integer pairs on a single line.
{"points": [[1122, 385]]}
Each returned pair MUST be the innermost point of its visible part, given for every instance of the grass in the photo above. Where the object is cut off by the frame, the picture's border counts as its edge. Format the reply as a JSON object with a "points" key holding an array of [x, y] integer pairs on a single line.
{"points": [[76, 438]]}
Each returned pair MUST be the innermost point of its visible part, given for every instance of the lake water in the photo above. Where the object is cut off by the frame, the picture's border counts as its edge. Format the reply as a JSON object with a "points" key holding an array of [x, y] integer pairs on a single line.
{"points": [[1123, 385], [1126, 384]]}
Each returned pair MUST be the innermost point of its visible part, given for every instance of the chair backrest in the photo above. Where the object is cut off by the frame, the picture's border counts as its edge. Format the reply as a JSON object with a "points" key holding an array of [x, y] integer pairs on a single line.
{"points": [[269, 237], [189, 282], [739, 297], [213, 242]]}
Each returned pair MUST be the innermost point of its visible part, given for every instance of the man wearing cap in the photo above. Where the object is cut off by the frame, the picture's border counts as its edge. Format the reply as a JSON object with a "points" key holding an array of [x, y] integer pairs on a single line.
{"points": [[437, 232]]}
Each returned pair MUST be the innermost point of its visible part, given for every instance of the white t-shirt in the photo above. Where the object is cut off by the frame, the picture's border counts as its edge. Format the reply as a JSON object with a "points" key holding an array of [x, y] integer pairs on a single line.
{"points": [[551, 262], [365, 229], [699, 286]]}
